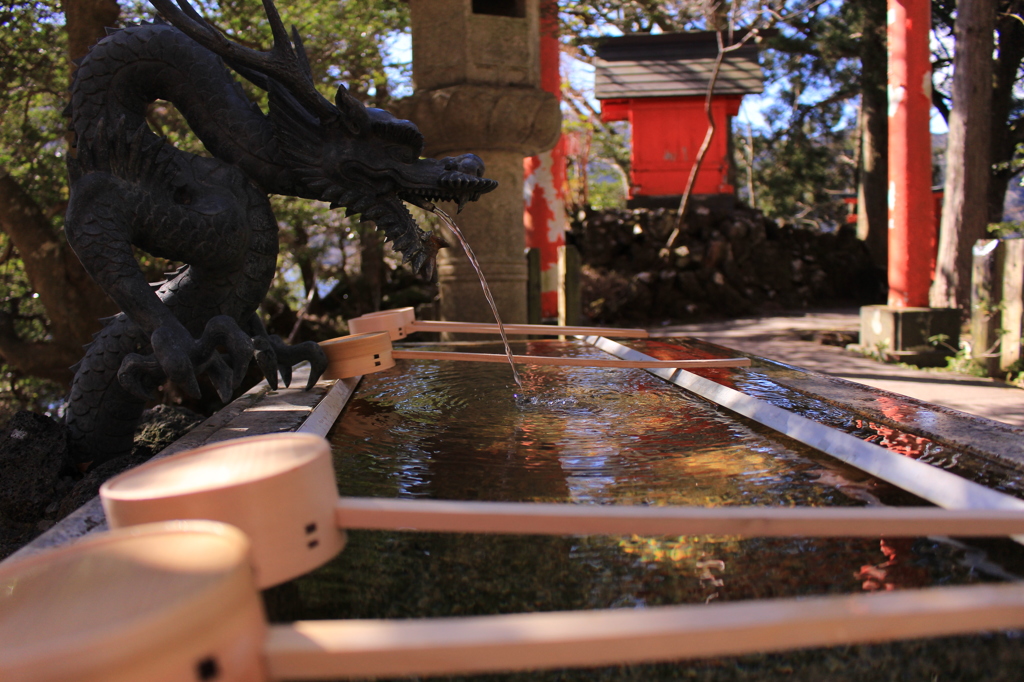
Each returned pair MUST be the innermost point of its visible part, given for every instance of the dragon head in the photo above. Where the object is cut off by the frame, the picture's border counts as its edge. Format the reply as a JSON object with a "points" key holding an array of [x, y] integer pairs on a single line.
{"points": [[374, 170], [361, 159]]}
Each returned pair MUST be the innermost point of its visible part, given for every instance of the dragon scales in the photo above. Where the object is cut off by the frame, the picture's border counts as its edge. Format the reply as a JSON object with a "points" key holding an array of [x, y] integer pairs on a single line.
{"points": [[129, 189]]}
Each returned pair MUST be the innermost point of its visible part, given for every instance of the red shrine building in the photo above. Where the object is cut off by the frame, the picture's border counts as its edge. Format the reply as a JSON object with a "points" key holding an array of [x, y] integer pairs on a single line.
{"points": [[659, 84]]}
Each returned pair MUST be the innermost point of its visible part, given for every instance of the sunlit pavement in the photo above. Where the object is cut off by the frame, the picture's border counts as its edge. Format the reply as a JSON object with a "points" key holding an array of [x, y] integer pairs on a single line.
{"points": [[779, 338]]}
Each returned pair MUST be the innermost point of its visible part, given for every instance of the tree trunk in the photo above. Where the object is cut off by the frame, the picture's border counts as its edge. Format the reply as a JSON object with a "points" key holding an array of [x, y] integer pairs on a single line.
{"points": [[72, 301], [872, 187], [1005, 137], [968, 155], [85, 21]]}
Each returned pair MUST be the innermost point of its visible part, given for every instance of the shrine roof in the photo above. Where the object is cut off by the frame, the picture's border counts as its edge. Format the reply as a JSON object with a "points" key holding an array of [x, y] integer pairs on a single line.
{"points": [[673, 65]]}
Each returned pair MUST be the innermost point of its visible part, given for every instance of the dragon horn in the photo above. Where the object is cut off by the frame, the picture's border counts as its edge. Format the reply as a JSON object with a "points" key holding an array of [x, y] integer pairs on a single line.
{"points": [[284, 62], [352, 110], [350, 106], [300, 52]]}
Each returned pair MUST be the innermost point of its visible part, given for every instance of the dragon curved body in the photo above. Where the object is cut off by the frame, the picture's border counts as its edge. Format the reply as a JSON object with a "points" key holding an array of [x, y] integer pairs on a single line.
{"points": [[131, 189]]}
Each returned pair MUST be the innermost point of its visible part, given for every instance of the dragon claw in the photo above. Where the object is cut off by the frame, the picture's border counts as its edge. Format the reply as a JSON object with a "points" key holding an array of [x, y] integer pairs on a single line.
{"points": [[266, 358], [172, 351], [179, 357], [139, 375], [223, 330], [222, 377], [276, 357], [317, 366]]}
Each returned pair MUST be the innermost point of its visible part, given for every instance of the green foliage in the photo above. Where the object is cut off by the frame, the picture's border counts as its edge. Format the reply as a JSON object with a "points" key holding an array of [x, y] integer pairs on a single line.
{"points": [[800, 166], [1007, 228], [605, 190], [1015, 374], [587, 22], [808, 153], [34, 71], [598, 162], [963, 362], [20, 392], [345, 41]]}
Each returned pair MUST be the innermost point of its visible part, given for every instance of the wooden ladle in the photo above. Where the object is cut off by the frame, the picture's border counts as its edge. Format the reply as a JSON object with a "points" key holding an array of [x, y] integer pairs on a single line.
{"points": [[400, 322], [358, 354], [176, 602]]}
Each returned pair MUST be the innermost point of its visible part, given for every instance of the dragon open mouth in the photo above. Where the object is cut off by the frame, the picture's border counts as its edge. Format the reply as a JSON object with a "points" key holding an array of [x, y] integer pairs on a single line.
{"points": [[422, 183], [389, 213], [454, 186]]}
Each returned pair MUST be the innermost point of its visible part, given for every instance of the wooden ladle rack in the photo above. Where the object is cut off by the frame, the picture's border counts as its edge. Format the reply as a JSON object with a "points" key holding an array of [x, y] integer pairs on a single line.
{"points": [[400, 322], [172, 593], [369, 352]]}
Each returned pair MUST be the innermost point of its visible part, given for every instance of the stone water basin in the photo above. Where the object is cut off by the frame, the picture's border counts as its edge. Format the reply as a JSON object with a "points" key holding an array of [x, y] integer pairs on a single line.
{"points": [[447, 430]]}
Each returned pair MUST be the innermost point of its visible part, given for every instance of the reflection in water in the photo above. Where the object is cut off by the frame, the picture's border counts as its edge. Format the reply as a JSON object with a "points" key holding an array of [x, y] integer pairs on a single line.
{"points": [[450, 430], [897, 571], [756, 382]]}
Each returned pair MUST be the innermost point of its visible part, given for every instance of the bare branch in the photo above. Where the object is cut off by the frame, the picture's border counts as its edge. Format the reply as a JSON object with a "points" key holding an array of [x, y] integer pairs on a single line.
{"points": [[684, 203]]}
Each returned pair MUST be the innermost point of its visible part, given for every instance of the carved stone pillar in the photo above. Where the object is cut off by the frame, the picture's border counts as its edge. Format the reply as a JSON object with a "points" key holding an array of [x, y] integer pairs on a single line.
{"points": [[477, 78]]}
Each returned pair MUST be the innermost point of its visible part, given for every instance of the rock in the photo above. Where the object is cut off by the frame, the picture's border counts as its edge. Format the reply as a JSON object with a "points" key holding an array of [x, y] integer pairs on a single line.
{"points": [[160, 426], [33, 454], [14, 535], [89, 486], [743, 262], [37, 485]]}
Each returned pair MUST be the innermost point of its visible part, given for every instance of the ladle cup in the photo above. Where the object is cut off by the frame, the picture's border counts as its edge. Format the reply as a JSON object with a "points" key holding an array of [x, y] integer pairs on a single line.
{"points": [[279, 489], [400, 322], [165, 602], [365, 353]]}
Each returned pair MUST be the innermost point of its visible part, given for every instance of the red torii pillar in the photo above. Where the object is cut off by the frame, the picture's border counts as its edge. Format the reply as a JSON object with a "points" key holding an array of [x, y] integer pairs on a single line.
{"points": [[907, 329], [544, 180], [912, 237]]}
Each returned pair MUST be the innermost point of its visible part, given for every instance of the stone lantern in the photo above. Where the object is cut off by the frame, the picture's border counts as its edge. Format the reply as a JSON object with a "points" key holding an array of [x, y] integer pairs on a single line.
{"points": [[476, 71]]}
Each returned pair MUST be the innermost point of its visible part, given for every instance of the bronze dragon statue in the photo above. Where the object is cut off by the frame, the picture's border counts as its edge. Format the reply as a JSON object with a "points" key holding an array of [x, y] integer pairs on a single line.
{"points": [[129, 188]]}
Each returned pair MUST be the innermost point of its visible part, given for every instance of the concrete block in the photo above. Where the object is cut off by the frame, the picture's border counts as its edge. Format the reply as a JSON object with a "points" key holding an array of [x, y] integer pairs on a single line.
{"points": [[910, 335]]}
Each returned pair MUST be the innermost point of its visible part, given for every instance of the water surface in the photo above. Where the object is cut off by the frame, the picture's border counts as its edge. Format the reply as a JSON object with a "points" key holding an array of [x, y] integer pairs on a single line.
{"points": [[447, 430]]}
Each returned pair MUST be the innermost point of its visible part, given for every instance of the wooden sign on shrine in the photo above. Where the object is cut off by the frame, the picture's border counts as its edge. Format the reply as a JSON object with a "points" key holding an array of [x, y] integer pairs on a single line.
{"points": [[659, 84]]}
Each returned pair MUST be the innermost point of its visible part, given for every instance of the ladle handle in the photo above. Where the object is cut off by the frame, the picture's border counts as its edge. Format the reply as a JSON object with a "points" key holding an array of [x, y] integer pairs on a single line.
{"points": [[535, 329], [567, 362], [373, 513], [529, 641]]}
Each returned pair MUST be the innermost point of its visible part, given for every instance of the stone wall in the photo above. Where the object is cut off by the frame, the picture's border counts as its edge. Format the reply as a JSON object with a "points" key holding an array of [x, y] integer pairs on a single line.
{"points": [[725, 263]]}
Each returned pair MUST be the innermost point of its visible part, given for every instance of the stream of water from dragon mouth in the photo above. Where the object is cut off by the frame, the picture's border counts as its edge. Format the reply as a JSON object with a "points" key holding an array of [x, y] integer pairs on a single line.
{"points": [[487, 290]]}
